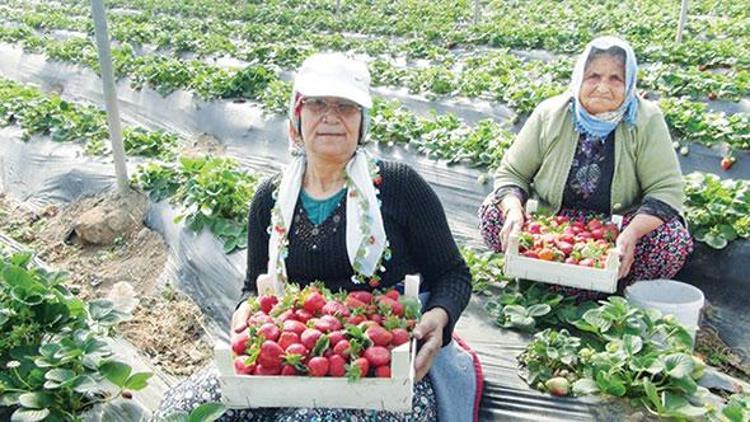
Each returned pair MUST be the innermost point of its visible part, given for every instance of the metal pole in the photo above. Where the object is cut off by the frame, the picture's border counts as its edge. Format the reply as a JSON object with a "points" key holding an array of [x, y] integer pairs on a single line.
{"points": [[110, 96], [683, 18], [476, 12]]}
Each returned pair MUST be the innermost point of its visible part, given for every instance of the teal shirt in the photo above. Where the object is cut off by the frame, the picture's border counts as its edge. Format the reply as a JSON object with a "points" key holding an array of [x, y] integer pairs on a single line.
{"points": [[319, 209]]}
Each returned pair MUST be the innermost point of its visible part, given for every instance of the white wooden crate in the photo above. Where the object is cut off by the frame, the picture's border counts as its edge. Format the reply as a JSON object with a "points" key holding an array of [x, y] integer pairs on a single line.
{"points": [[391, 394], [559, 273]]}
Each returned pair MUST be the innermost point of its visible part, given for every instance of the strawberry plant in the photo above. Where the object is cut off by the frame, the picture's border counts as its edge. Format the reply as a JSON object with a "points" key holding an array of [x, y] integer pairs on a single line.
{"points": [[486, 270], [56, 362], [315, 332], [212, 192], [139, 141], [717, 210]]}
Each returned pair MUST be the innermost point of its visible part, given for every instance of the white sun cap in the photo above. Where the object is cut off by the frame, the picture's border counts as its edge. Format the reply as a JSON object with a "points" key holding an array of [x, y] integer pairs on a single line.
{"points": [[334, 75]]}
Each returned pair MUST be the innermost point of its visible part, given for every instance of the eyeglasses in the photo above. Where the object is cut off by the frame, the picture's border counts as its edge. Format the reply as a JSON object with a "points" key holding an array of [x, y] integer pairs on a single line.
{"points": [[320, 106]]}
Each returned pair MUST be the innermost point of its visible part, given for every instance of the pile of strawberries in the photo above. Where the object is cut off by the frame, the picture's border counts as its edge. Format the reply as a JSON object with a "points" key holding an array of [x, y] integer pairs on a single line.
{"points": [[316, 333], [557, 238]]}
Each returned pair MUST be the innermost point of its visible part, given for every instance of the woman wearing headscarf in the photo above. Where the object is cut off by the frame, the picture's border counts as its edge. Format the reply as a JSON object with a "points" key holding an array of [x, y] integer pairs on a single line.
{"points": [[598, 148], [338, 215]]}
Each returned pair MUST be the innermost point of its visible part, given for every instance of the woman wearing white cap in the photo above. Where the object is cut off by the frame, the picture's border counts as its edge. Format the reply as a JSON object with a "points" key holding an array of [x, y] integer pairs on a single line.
{"points": [[338, 215]]}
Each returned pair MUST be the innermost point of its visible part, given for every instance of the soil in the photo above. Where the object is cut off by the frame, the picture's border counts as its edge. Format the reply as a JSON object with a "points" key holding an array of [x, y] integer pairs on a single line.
{"points": [[167, 326], [204, 144], [712, 349]]}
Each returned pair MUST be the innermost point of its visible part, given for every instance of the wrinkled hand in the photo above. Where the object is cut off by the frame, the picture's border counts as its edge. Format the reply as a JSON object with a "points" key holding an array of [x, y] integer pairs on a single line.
{"points": [[239, 319], [430, 331], [514, 220], [626, 244]]}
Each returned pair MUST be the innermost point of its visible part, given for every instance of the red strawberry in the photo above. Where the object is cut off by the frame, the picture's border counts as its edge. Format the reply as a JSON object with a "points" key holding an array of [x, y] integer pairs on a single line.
{"points": [[530, 254], [400, 336], [393, 305], [269, 331], [336, 366], [383, 371], [321, 325], [597, 233], [335, 308], [366, 325], [535, 228], [355, 319], [586, 262], [294, 326], [297, 349], [288, 338], [377, 356], [267, 302], [258, 319], [336, 336], [271, 354], [360, 367], [362, 296], [393, 294], [302, 315], [332, 321], [727, 162], [309, 337], [314, 302], [712, 96], [318, 367], [287, 316], [571, 260], [239, 343], [611, 232], [288, 371], [262, 370], [377, 318], [594, 224], [379, 335], [354, 303], [242, 366], [561, 219], [342, 348], [565, 247]]}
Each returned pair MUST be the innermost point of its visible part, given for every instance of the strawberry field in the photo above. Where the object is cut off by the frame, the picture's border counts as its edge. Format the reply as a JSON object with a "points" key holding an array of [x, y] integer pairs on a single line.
{"points": [[203, 87]]}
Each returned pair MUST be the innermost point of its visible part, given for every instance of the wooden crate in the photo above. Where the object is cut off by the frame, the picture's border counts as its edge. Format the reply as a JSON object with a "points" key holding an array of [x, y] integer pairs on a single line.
{"points": [[559, 273], [391, 394]]}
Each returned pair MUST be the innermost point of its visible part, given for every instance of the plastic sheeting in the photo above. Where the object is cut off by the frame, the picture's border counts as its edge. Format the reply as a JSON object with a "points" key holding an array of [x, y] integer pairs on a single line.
{"points": [[44, 171]]}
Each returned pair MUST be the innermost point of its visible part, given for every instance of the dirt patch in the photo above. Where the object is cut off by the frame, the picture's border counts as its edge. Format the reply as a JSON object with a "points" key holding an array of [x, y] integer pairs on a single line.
{"points": [[169, 329], [712, 349], [204, 144], [167, 326]]}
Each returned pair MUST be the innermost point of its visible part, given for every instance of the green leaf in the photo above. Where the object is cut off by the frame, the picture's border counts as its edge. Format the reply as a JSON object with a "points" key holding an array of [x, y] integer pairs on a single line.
{"points": [[728, 232], [9, 399], [29, 415], [633, 344], [585, 386], [678, 365], [652, 394], [138, 381], [677, 405], [538, 310], [116, 372], [207, 412], [100, 308], [36, 400], [685, 384]]}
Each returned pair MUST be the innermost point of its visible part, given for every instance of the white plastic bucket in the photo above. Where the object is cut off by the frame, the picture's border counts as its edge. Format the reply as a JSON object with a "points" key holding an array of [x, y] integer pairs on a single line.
{"points": [[671, 297]]}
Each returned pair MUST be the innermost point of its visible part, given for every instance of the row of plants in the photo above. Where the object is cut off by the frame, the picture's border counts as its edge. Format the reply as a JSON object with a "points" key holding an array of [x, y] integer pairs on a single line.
{"points": [[609, 347], [211, 192], [55, 353], [718, 211], [649, 24], [519, 85], [494, 72], [64, 121]]}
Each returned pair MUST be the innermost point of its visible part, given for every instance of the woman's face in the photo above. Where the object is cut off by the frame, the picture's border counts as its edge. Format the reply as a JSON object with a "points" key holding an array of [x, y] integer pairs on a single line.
{"points": [[603, 86], [330, 128]]}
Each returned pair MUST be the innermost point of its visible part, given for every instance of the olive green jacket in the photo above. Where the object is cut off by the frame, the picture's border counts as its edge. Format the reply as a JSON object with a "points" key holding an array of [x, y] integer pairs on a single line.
{"points": [[645, 162]]}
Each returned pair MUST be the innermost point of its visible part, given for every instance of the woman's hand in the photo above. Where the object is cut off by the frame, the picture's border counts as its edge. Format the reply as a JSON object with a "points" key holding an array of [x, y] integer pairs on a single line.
{"points": [[626, 245], [514, 220], [239, 318], [429, 330]]}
